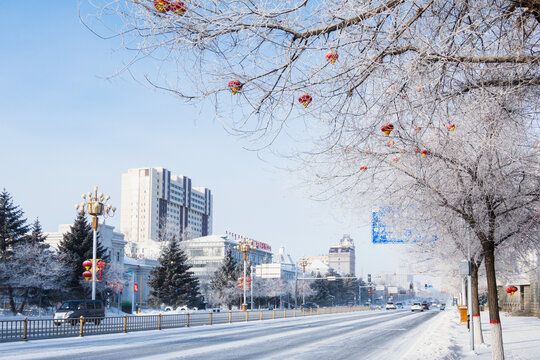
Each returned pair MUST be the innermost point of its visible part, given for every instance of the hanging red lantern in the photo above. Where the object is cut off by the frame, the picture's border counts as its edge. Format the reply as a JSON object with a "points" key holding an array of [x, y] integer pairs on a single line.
{"points": [[162, 5], [390, 143], [178, 7], [387, 128], [511, 290], [363, 168], [450, 127], [395, 159], [305, 99], [347, 150], [418, 129], [368, 152], [332, 56], [235, 86], [425, 152], [87, 275], [87, 264]]}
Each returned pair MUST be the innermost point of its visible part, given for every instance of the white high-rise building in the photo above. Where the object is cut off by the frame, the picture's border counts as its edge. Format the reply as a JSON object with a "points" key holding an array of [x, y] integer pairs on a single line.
{"points": [[157, 206], [341, 257]]}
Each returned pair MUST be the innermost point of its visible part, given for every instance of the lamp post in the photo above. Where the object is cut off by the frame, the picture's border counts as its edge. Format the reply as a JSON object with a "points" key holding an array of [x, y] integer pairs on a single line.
{"points": [[303, 263], [245, 247], [95, 205]]}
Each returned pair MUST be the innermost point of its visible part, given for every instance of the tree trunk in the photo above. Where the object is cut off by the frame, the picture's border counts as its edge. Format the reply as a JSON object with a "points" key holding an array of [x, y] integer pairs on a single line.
{"points": [[23, 303], [11, 300], [477, 325], [494, 318]]}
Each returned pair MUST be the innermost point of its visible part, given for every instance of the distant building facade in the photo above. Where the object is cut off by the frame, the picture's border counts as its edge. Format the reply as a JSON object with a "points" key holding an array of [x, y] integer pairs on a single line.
{"points": [[157, 206], [282, 267], [341, 257]]}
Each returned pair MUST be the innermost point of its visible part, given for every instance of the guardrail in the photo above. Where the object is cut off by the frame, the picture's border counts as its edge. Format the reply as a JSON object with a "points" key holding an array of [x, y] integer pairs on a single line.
{"points": [[28, 329]]}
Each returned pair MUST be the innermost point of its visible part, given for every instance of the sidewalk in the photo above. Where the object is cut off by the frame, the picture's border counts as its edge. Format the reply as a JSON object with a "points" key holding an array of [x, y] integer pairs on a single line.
{"points": [[446, 338]]}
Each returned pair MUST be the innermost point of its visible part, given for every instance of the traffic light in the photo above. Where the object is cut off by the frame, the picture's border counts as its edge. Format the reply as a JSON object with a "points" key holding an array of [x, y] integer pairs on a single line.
{"points": [[368, 278], [425, 286], [410, 286], [135, 287]]}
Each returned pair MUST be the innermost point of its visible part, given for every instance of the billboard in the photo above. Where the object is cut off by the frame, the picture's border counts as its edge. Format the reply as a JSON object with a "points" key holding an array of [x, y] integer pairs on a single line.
{"points": [[382, 233]]}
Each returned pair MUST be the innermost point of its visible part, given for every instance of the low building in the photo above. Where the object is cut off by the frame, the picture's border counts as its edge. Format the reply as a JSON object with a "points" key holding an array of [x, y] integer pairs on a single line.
{"points": [[282, 267]]}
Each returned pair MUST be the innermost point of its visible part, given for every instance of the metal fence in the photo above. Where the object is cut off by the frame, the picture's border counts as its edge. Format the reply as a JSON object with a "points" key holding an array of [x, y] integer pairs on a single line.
{"points": [[28, 329]]}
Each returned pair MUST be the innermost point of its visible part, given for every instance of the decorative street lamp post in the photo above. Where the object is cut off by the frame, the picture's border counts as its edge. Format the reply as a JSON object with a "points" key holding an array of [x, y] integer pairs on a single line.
{"points": [[95, 205], [303, 263], [245, 247]]}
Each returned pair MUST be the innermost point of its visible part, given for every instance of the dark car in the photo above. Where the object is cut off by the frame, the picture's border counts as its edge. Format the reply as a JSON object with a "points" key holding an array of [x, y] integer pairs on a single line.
{"points": [[70, 311], [310, 305], [425, 306]]}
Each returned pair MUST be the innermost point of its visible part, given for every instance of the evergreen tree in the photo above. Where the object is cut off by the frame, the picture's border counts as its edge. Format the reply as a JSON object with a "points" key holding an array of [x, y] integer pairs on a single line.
{"points": [[223, 284], [37, 233], [172, 282], [76, 247], [13, 227], [321, 293]]}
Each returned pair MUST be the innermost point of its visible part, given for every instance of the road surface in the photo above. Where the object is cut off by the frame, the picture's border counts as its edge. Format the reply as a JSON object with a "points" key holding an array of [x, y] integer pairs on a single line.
{"points": [[362, 335]]}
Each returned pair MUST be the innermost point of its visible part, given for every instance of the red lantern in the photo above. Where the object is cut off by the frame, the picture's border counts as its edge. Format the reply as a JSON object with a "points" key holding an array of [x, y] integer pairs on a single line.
{"points": [[87, 275], [387, 128], [331, 56], [87, 264], [363, 168], [418, 129], [305, 99], [368, 152], [178, 7], [511, 290], [450, 127], [390, 143], [395, 159], [425, 152], [162, 5], [235, 86]]}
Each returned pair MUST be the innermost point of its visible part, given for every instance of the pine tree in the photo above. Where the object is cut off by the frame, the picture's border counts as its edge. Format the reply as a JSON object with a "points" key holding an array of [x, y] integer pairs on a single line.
{"points": [[172, 282], [76, 247], [224, 282], [13, 227], [37, 233], [321, 294]]}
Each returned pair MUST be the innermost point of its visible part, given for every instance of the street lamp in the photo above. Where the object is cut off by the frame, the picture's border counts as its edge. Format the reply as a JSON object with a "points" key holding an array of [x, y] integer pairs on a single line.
{"points": [[303, 263], [95, 205], [245, 247]]}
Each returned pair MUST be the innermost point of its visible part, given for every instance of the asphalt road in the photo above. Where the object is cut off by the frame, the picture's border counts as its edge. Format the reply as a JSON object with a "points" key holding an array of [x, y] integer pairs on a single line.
{"points": [[363, 335]]}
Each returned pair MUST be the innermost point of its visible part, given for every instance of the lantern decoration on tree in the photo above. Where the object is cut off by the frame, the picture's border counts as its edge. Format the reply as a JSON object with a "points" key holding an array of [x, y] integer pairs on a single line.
{"points": [[450, 127], [418, 128], [162, 5], [332, 56], [390, 143], [87, 275], [305, 99], [347, 150], [235, 86], [178, 7], [387, 128], [368, 152], [417, 150], [395, 159], [363, 168], [425, 152], [511, 290]]}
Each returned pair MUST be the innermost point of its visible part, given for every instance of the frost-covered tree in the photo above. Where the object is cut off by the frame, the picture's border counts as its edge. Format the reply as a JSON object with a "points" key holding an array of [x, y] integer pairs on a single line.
{"points": [[171, 281], [75, 248], [37, 233], [224, 289], [13, 229]]}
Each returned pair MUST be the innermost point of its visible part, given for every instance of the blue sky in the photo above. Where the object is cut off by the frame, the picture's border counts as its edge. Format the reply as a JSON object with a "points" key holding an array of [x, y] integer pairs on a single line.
{"points": [[65, 126]]}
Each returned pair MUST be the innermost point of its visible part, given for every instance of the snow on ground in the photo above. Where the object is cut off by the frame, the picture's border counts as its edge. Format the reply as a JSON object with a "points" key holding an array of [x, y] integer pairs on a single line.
{"points": [[445, 338]]}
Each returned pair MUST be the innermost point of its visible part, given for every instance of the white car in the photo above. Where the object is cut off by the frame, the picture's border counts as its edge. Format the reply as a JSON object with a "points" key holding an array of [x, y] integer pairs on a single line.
{"points": [[417, 307], [390, 306]]}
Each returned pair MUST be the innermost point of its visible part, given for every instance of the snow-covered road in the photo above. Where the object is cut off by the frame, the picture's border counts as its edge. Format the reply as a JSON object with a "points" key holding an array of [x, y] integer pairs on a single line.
{"points": [[364, 335]]}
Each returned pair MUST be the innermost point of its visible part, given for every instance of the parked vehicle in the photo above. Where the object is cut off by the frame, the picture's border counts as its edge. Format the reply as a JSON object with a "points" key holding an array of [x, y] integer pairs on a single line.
{"points": [[399, 305], [390, 306], [442, 307], [425, 306], [71, 311], [417, 307], [310, 305]]}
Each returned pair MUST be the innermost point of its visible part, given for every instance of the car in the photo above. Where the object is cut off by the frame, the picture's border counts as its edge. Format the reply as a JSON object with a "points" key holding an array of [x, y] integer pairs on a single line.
{"points": [[70, 311], [310, 305], [399, 305], [442, 307], [425, 306], [390, 306], [417, 307]]}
